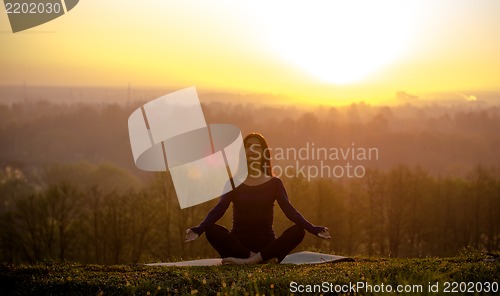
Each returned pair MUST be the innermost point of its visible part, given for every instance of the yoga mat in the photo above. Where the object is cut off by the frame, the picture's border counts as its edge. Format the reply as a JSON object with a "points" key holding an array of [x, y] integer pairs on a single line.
{"points": [[295, 258]]}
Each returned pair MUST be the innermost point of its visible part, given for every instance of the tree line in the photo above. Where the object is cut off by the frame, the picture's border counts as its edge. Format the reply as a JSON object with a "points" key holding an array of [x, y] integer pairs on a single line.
{"points": [[442, 139], [69, 213]]}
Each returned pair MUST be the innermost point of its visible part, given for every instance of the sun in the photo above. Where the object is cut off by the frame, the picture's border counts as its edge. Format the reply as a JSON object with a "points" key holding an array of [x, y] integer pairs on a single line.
{"points": [[339, 42]]}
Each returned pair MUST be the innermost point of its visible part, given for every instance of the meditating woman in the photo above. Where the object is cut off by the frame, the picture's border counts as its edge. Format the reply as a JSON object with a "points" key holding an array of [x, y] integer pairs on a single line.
{"points": [[252, 239]]}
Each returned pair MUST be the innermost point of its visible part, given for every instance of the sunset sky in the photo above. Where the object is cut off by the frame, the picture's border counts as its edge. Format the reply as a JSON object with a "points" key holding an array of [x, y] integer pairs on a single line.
{"points": [[317, 51]]}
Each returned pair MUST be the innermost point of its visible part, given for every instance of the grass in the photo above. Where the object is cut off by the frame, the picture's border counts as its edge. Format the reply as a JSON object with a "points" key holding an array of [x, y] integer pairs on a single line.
{"points": [[268, 279]]}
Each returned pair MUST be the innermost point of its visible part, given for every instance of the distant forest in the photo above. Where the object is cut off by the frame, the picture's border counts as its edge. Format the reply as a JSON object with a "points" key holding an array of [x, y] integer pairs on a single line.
{"points": [[444, 140], [69, 189]]}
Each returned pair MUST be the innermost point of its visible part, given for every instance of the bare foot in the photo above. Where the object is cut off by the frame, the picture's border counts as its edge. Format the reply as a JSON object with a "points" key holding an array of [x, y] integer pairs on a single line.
{"points": [[255, 259], [233, 261], [272, 261]]}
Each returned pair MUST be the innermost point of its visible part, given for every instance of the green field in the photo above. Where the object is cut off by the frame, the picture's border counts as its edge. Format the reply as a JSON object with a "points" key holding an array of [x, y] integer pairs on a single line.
{"points": [[469, 271]]}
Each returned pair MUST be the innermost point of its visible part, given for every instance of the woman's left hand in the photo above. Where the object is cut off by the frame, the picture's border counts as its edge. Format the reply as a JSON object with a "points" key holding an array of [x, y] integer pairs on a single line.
{"points": [[324, 233]]}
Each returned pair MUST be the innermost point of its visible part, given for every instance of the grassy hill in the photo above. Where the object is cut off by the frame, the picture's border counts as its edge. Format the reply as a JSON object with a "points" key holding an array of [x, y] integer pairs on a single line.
{"points": [[470, 271]]}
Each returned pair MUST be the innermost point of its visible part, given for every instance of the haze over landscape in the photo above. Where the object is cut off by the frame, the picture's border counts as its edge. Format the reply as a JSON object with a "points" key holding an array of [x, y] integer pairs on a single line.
{"points": [[416, 80]]}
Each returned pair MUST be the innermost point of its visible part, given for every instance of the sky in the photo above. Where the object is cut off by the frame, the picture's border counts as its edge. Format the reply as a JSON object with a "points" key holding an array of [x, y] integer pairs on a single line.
{"points": [[311, 51]]}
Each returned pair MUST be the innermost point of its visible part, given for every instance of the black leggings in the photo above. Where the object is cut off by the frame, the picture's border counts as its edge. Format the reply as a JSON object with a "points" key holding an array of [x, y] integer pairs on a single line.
{"points": [[228, 245]]}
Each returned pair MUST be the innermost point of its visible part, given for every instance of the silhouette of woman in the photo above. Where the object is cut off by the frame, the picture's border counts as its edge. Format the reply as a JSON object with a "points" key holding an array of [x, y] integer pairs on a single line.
{"points": [[252, 239]]}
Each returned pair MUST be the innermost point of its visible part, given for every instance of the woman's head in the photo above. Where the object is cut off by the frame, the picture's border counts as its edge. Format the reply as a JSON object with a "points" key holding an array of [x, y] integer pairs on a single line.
{"points": [[258, 154]]}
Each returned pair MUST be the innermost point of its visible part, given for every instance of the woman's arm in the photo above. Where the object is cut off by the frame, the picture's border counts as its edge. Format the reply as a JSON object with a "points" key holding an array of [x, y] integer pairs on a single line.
{"points": [[215, 214], [292, 214]]}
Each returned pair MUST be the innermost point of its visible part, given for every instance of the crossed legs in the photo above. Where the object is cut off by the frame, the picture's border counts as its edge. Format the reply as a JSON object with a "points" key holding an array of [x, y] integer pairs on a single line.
{"points": [[234, 252]]}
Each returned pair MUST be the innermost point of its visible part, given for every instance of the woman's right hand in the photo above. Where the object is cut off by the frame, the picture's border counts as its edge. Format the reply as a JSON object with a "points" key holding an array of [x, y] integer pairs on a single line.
{"points": [[190, 235], [325, 233]]}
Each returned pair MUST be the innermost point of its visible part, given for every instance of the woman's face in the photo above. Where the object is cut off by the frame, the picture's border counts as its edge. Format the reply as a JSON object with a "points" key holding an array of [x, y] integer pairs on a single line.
{"points": [[253, 150]]}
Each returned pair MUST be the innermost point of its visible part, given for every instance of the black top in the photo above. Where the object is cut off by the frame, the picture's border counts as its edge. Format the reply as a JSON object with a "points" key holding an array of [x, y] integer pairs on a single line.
{"points": [[253, 210]]}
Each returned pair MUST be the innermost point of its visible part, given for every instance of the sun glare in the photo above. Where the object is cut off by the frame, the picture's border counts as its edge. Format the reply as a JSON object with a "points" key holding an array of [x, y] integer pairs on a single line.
{"points": [[339, 42]]}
